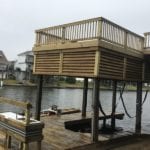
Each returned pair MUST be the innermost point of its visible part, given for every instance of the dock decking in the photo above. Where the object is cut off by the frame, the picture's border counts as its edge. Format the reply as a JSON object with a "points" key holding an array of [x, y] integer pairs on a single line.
{"points": [[57, 137]]}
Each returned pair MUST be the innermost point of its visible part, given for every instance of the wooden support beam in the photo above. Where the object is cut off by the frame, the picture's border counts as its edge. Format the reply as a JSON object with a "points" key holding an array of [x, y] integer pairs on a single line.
{"points": [[9, 142], [27, 116], [85, 92], [113, 123], [25, 146], [95, 110], [39, 145], [39, 97], [138, 108]]}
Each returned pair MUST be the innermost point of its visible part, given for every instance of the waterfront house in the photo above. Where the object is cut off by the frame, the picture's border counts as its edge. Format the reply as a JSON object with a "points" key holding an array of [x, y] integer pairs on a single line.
{"points": [[3, 65], [24, 66], [11, 70]]}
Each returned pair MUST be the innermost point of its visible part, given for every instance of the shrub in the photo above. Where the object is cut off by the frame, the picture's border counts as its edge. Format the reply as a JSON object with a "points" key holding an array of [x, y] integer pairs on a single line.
{"points": [[70, 80]]}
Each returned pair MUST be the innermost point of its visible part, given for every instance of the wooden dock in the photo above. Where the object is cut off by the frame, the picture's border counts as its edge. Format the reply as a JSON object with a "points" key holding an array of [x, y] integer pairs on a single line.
{"points": [[95, 48], [56, 136]]}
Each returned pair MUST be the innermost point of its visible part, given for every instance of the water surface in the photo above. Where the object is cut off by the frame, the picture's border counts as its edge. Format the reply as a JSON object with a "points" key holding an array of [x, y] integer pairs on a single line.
{"points": [[67, 98]]}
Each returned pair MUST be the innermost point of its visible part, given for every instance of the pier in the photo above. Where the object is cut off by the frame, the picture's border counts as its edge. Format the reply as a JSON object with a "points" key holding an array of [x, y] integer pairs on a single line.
{"points": [[56, 136], [96, 49], [99, 49]]}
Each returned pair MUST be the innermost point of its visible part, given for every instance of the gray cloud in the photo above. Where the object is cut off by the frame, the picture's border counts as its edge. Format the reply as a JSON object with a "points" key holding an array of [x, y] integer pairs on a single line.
{"points": [[19, 18]]}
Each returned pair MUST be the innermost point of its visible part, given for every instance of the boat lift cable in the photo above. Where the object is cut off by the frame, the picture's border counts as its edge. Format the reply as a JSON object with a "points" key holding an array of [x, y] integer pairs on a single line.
{"points": [[101, 109], [145, 97], [121, 92], [123, 103]]}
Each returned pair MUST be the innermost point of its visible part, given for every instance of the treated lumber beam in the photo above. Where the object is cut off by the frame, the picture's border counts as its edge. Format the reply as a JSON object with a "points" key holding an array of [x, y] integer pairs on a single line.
{"points": [[138, 108], [39, 97], [85, 92], [95, 110], [25, 105]]}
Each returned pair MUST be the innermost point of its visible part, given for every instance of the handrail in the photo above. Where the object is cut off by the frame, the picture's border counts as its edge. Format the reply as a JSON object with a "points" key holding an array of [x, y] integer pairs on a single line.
{"points": [[147, 40], [114, 24], [118, 35], [96, 28], [25, 105], [70, 24]]}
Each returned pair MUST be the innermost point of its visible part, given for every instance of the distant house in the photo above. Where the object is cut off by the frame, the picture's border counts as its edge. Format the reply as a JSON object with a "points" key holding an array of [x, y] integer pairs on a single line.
{"points": [[3, 65], [24, 66], [11, 70]]}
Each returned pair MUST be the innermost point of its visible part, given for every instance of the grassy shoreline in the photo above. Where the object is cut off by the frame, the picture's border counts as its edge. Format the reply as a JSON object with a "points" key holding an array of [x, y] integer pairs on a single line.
{"points": [[64, 85]]}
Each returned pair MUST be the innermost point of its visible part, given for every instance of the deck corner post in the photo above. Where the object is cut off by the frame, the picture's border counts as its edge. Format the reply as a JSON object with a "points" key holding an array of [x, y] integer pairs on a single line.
{"points": [[39, 97], [85, 92], [95, 110], [113, 122], [99, 32], [138, 108]]}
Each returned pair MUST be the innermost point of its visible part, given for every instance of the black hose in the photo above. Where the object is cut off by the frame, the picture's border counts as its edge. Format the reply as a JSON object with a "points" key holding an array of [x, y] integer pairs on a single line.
{"points": [[121, 93], [121, 97], [145, 97], [100, 108]]}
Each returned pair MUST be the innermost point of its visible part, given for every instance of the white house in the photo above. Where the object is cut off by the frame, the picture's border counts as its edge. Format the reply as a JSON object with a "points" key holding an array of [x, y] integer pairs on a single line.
{"points": [[24, 65], [3, 65]]}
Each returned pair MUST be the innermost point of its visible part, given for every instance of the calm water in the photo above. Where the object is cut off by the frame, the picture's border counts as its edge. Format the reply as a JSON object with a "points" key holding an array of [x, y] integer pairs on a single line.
{"points": [[67, 98]]}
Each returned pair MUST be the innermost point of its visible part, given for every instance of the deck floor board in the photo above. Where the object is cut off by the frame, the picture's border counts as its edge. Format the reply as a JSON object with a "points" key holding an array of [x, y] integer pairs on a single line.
{"points": [[56, 137]]}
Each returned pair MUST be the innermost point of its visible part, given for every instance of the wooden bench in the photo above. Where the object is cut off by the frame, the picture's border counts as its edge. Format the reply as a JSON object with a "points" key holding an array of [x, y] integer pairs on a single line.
{"points": [[22, 128]]}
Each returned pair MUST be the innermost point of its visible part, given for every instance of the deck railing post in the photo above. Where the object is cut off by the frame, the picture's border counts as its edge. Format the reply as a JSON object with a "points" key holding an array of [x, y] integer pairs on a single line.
{"points": [[63, 34], [27, 116], [39, 97], [113, 123], [125, 39], [95, 110], [85, 92], [138, 108], [37, 39], [99, 32]]}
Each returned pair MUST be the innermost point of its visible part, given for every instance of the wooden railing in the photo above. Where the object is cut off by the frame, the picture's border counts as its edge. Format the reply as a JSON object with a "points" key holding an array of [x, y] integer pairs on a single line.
{"points": [[97, 28], [23, 105], [147, 40], [82, 30]]}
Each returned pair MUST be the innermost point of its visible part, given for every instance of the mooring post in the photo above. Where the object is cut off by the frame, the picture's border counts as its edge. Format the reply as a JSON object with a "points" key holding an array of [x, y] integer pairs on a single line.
{"points": [[138, 108], [39, 97], [95, 110], [85, 91], [114, 86]]}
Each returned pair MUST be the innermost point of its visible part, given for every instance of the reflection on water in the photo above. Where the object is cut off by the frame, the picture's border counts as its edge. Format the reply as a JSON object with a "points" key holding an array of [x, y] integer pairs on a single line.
{"points": [[67, 98]]}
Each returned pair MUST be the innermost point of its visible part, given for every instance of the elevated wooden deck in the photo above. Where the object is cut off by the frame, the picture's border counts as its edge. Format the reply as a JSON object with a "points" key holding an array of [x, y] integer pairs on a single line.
{"points": [[91, 48]]}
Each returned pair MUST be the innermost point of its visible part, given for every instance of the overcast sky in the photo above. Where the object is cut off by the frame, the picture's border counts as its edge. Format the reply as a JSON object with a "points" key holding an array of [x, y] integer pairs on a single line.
{"points": [[19, 18]]}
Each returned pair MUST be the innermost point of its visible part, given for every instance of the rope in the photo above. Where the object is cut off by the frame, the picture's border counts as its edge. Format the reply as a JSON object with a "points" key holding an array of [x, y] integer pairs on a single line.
{"points": [[101, 109], [123, 104], [145, 97]]}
